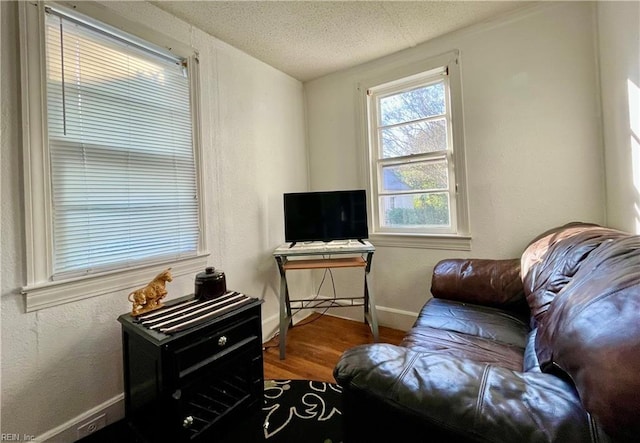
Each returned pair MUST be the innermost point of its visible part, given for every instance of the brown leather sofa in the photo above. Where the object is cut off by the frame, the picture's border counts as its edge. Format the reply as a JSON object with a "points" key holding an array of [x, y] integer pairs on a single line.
{"points": [[545, 348]]}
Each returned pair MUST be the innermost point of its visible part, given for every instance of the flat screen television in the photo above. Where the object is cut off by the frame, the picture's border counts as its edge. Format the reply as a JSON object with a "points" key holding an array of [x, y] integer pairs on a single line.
{"points": [[325, 216]]}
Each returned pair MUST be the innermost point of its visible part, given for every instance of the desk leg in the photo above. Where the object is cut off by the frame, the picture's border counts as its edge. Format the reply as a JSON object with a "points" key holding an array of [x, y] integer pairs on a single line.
{"points": [[285, 308], [370, 312], [284, 324], [370, 307]]}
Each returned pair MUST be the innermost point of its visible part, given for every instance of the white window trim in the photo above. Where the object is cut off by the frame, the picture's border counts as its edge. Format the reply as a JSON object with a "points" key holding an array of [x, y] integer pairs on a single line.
{"points": [[40, 291], [461, 239]]}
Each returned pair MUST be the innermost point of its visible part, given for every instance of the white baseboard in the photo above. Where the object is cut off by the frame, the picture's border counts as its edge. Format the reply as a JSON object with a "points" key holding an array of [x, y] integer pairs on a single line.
{"points": [[271, 325], [113, 409], [396, 318], [389, 317]]}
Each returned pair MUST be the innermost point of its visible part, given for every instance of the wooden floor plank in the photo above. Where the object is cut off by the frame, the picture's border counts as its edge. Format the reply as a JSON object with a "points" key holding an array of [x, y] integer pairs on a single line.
{"points": [[316, 343]]}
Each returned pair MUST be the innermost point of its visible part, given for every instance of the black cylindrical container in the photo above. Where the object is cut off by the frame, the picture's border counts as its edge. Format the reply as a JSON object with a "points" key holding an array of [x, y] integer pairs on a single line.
{"points": [[210, 284]]}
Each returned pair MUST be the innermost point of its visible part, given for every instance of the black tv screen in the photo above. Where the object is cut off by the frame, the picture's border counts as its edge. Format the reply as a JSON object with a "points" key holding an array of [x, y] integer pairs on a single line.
{"points": [[325, 216]]}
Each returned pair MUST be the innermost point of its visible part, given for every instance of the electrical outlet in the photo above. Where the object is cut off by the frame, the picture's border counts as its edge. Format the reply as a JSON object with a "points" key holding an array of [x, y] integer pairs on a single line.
{"points": [[92, 426]]}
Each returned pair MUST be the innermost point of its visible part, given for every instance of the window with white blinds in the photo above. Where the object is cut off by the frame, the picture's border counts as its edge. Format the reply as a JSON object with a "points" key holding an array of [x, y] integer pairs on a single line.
{"points": [[123, 173]]}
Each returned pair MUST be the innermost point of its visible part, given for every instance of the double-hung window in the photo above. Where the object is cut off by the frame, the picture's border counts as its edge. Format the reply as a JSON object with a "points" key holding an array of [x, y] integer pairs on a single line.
{"points": [[117, 151], [415, 158]]}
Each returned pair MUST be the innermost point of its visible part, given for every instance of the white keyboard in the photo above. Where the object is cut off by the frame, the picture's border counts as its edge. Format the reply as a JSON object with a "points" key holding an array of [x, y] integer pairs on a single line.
{"points": [[315, 247]]}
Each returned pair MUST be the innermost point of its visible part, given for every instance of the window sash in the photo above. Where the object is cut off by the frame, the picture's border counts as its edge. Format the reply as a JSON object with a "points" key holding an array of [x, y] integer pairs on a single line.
{"points": [[378, 160], [123, 185]]}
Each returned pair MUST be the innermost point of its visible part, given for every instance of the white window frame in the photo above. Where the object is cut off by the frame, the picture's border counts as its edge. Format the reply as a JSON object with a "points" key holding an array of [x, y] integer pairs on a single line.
{"points": [[457, 237], [41, 291]]}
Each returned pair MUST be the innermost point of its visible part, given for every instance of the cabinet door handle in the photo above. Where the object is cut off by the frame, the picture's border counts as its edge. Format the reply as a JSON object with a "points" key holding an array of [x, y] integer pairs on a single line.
{"points": [[222, 341]]}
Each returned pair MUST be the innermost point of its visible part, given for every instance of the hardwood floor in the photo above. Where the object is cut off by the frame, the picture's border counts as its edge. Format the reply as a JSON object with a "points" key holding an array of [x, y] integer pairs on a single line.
{"points": [[315, 344]]}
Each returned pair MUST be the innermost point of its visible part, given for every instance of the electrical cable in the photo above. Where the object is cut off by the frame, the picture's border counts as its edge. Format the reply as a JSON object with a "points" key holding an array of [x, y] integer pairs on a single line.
{"points": [[304, 323], [333, 284]]}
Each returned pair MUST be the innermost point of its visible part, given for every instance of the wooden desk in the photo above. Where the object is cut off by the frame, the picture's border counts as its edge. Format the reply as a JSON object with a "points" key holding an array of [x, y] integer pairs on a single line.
{"points": [[351, 254]]}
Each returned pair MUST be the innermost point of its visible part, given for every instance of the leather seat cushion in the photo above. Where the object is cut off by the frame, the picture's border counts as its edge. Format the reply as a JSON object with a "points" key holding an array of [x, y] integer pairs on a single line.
{"points": [[464, 346], [474, 320]]}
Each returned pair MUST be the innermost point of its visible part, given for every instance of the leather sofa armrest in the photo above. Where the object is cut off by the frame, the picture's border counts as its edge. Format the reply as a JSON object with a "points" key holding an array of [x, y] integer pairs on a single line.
{"points": [[486, 282], [391, 390]]}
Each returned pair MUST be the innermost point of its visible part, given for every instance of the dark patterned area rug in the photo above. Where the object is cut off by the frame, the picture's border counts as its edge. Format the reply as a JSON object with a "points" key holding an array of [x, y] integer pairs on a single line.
{"points": [[295, 411], [302, 411]]}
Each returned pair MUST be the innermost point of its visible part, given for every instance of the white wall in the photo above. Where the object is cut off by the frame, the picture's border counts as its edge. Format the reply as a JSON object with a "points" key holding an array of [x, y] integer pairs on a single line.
{"points": [[534, 160], [532, 132], [60, 363], [619, 43]]}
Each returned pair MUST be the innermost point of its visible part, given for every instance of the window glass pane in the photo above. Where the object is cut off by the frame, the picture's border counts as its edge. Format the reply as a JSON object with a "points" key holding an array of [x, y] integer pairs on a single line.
{"points": [[414, 211], [415, 176], [416, 104], [414, 138]]}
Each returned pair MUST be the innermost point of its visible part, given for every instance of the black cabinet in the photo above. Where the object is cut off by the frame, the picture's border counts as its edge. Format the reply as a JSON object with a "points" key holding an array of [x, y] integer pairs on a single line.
{"points": [[204, 381]]}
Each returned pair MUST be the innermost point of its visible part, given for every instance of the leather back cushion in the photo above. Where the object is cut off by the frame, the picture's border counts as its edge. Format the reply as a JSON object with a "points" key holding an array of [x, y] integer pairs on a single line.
{"points": [[494, 283], [552, 259], [591, 332]]}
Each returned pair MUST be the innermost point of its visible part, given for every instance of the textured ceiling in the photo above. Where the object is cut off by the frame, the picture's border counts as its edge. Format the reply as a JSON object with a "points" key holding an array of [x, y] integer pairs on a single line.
{"points": [[308, 39]]}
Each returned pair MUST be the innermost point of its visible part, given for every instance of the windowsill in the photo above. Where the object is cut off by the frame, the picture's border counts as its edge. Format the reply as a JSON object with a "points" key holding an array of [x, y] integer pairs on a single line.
{"points": [[450, 242], [54, 293]]}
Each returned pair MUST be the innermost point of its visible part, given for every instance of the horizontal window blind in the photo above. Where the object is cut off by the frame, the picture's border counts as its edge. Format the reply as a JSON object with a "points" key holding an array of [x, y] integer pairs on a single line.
{"points": [[120, 143]]}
